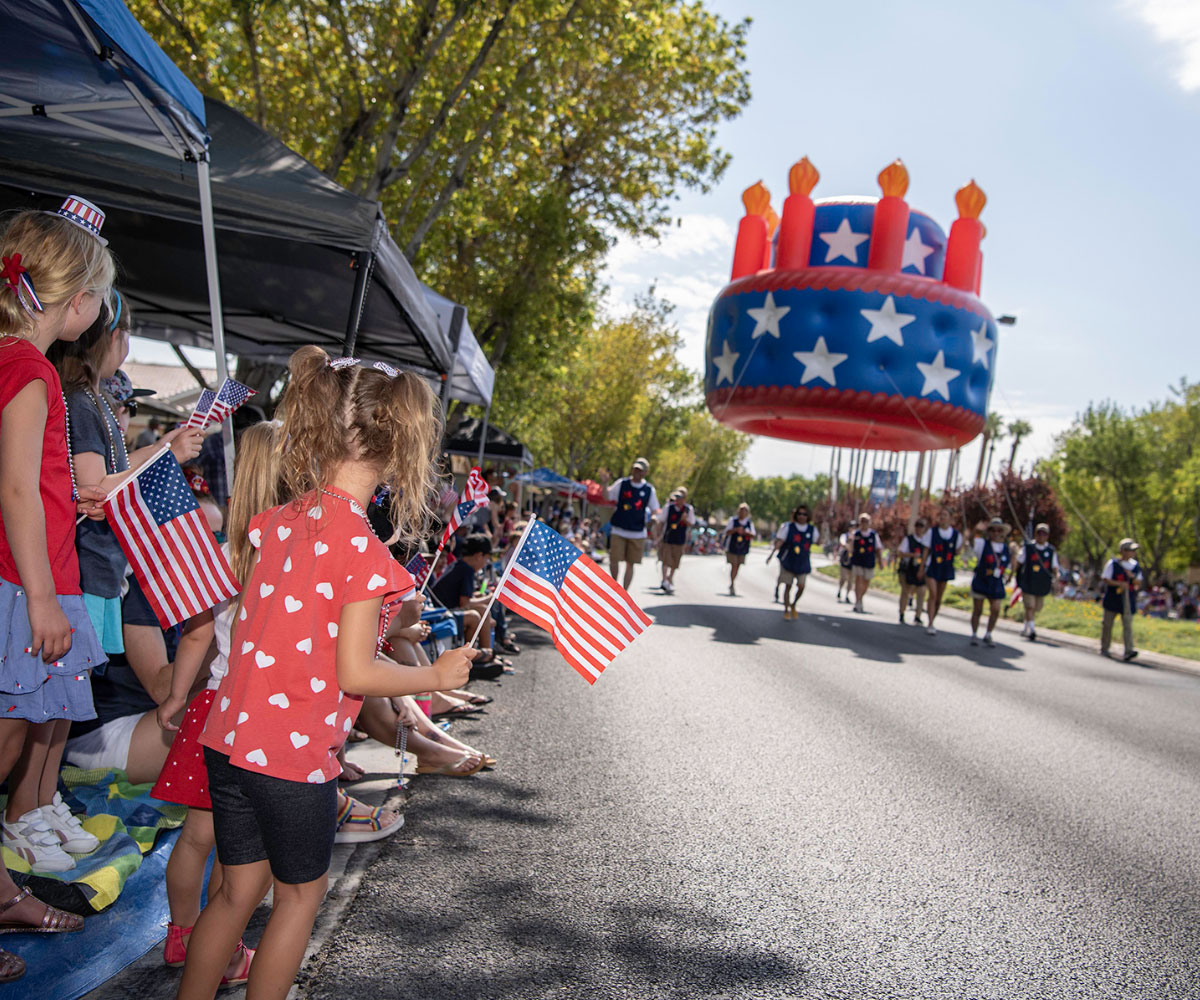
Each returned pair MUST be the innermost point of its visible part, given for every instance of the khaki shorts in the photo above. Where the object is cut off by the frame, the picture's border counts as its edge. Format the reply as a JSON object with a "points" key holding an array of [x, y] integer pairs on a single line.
{"points": [[625, 550], [734, 560], [866, 572], [1033, 602], [670, 554], [787, 579]]}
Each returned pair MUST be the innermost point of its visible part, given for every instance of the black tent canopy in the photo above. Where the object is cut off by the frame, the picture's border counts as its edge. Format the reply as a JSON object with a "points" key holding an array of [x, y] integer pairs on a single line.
{"points": [[299, 256], [500, 446]]}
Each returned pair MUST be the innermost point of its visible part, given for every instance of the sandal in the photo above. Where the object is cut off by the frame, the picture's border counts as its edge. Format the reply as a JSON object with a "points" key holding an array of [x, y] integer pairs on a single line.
{"points": [[362, 829], [174, 949], [508, 645], [463, 709], [12, 967], [54, 920], [243, 975]]}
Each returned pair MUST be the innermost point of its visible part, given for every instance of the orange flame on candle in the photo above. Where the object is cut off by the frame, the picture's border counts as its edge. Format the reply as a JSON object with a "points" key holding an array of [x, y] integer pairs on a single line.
{"points": [[803, 177], [970, 200], [893, 179], [757, 199], [772, 222]]}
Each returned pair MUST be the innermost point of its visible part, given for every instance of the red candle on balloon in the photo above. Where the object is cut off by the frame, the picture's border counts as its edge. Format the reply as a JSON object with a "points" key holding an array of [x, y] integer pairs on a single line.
{"points": [[795, 230], [889, 228], [772, 226], [963, 260], [753, 237]]}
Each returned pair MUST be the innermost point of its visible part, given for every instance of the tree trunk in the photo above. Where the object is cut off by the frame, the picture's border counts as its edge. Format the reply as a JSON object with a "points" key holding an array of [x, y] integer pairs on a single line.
{"points": [[983, 446]]}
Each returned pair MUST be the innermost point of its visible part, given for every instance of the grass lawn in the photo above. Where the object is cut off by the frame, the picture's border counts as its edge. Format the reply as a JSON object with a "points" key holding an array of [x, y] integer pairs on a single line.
{"points": [[1177, 638]]}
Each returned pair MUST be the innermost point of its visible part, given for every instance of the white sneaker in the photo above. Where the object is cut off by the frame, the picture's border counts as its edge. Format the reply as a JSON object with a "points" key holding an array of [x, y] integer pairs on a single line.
{"points": [[66, 826], [858, 607], [31, 839], [931, 630]]}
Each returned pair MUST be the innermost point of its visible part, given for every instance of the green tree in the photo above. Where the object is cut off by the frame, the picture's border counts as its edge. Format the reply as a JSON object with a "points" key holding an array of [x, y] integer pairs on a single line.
{"points": [[1019, 430], [993, 427]]}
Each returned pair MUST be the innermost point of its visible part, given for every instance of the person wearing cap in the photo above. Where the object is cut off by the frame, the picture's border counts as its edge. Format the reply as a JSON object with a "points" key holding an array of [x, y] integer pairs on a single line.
{"points": [[992, 559], [914, 559], [739, 533], [637, 502], [121, 394], [1037, 570], [794, 542], [1121, 578], [675, 520], [864, 551]]}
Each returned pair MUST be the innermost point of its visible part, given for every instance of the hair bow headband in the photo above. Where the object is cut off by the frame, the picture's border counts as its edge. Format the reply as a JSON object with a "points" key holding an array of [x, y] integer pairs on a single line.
{"points": [[17, 277], [337, 364]]}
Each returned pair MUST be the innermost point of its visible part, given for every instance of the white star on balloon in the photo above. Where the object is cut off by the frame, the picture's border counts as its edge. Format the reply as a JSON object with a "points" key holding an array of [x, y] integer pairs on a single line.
{"points": [[819, 363], [843, 242], [915, 251], [937, 376], [725, 362], [981, 345], [766, 319], [886, 322]]}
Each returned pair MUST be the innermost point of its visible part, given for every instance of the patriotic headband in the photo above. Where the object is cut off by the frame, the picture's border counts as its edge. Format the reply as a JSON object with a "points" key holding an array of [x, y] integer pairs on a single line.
{"points": [[117, 313], [337, 364], [83, 214], [17, 277]]}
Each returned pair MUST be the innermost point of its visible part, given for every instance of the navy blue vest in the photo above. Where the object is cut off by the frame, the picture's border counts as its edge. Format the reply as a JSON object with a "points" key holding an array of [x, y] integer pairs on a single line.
{"points": [[739, 537], [990, 560], [677, 527], [941, 550], [1037, 571], [794, 554], [1113, 599], [862, 549], [632, 501]]}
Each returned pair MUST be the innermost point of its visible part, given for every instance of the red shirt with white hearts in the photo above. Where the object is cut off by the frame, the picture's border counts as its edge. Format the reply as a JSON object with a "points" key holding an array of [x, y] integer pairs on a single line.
{"points": [[279, 709]]}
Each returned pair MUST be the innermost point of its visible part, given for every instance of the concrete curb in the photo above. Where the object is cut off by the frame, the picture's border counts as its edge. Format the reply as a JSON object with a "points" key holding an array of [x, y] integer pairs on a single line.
{"points": [[1146, 658]]}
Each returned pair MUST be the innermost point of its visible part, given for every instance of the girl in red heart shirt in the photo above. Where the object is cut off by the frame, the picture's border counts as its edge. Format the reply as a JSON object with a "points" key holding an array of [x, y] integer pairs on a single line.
{"points": [[305, 652]]}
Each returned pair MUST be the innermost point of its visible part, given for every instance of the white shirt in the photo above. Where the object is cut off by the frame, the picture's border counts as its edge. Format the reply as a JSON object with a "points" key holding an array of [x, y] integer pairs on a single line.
{"points": [[1053, 558], [651, 506], [689, 515], [923, 538], [1128, 564], [748, 527], [782, 533], [997, 547], [222, 629]]}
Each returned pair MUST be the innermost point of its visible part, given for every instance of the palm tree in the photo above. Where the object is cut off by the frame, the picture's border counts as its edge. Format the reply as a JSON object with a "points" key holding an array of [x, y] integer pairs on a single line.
{"points": [[993, 428], [1018, 429]]}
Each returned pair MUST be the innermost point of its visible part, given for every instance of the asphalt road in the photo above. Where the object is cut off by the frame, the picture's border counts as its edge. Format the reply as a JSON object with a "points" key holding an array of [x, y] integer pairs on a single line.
{"points": [[838, 806]]}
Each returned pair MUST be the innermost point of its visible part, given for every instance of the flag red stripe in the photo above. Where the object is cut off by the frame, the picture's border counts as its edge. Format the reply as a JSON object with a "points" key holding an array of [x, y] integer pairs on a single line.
{"points": [[602, 600], [617, 626], [128, 520], [190, 526], [564, 629], [601, 629], [143, 526], [587, 567], [534, 604], [579, 669]]}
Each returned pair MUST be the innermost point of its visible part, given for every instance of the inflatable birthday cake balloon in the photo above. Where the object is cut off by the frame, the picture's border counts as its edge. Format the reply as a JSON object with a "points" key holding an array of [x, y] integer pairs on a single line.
{"points": [[853, 321]]}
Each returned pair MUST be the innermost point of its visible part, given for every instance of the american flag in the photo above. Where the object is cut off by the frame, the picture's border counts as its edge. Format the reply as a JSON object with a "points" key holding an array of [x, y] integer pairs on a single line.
{"points": [[199, 417], [418, 567], [558, 588], [170, 547], [474, 497], [230, 396]]}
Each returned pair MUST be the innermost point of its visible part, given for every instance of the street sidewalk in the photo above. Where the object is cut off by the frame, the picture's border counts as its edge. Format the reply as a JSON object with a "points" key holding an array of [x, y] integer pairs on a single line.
{"points": [[1146, 658]]}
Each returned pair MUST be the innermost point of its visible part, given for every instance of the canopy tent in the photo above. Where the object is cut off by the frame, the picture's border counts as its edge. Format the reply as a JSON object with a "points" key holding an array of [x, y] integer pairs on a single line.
{"points": [[298, 253], [596, 494], [499, 447], [77, 70], [548, 479], [472, 379]]}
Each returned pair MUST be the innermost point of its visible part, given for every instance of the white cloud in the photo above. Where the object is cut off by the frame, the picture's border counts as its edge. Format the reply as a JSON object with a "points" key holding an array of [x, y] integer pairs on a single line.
{"points": [[1176, 24]]}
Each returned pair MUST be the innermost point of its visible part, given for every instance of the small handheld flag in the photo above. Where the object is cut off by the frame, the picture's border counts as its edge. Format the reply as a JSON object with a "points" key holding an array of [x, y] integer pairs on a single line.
{"points": [[474, 497], [168, 543], [418, 567], [199, 417], [213, 407], [558, 588]]}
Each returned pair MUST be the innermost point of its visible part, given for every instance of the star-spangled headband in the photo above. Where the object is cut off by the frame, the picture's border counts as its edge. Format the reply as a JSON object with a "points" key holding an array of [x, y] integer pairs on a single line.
{"points": [[17, 277], [337, 364]]}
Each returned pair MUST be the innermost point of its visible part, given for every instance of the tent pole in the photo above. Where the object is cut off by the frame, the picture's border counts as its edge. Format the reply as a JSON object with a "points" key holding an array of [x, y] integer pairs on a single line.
{"points": [[456, 325], [487, 413], [364, 260], [208, 229]]}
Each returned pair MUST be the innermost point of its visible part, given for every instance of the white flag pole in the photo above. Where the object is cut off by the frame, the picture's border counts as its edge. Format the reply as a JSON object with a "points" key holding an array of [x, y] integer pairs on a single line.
{"points": [[503, 578], [132, 475]]}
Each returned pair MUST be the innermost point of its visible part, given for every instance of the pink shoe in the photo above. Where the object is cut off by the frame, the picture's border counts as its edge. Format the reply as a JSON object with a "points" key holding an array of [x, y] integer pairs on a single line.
{"points": [[243, 975], [175, 951]]}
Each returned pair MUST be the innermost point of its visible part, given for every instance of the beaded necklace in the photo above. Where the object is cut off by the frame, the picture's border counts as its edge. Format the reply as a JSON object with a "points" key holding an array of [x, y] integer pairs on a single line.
{"points": [[112, 441], [70, 459]]}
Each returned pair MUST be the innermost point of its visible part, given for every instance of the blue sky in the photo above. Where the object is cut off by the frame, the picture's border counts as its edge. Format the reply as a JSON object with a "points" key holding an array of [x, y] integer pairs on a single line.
{"points": [[1081, 121]]}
